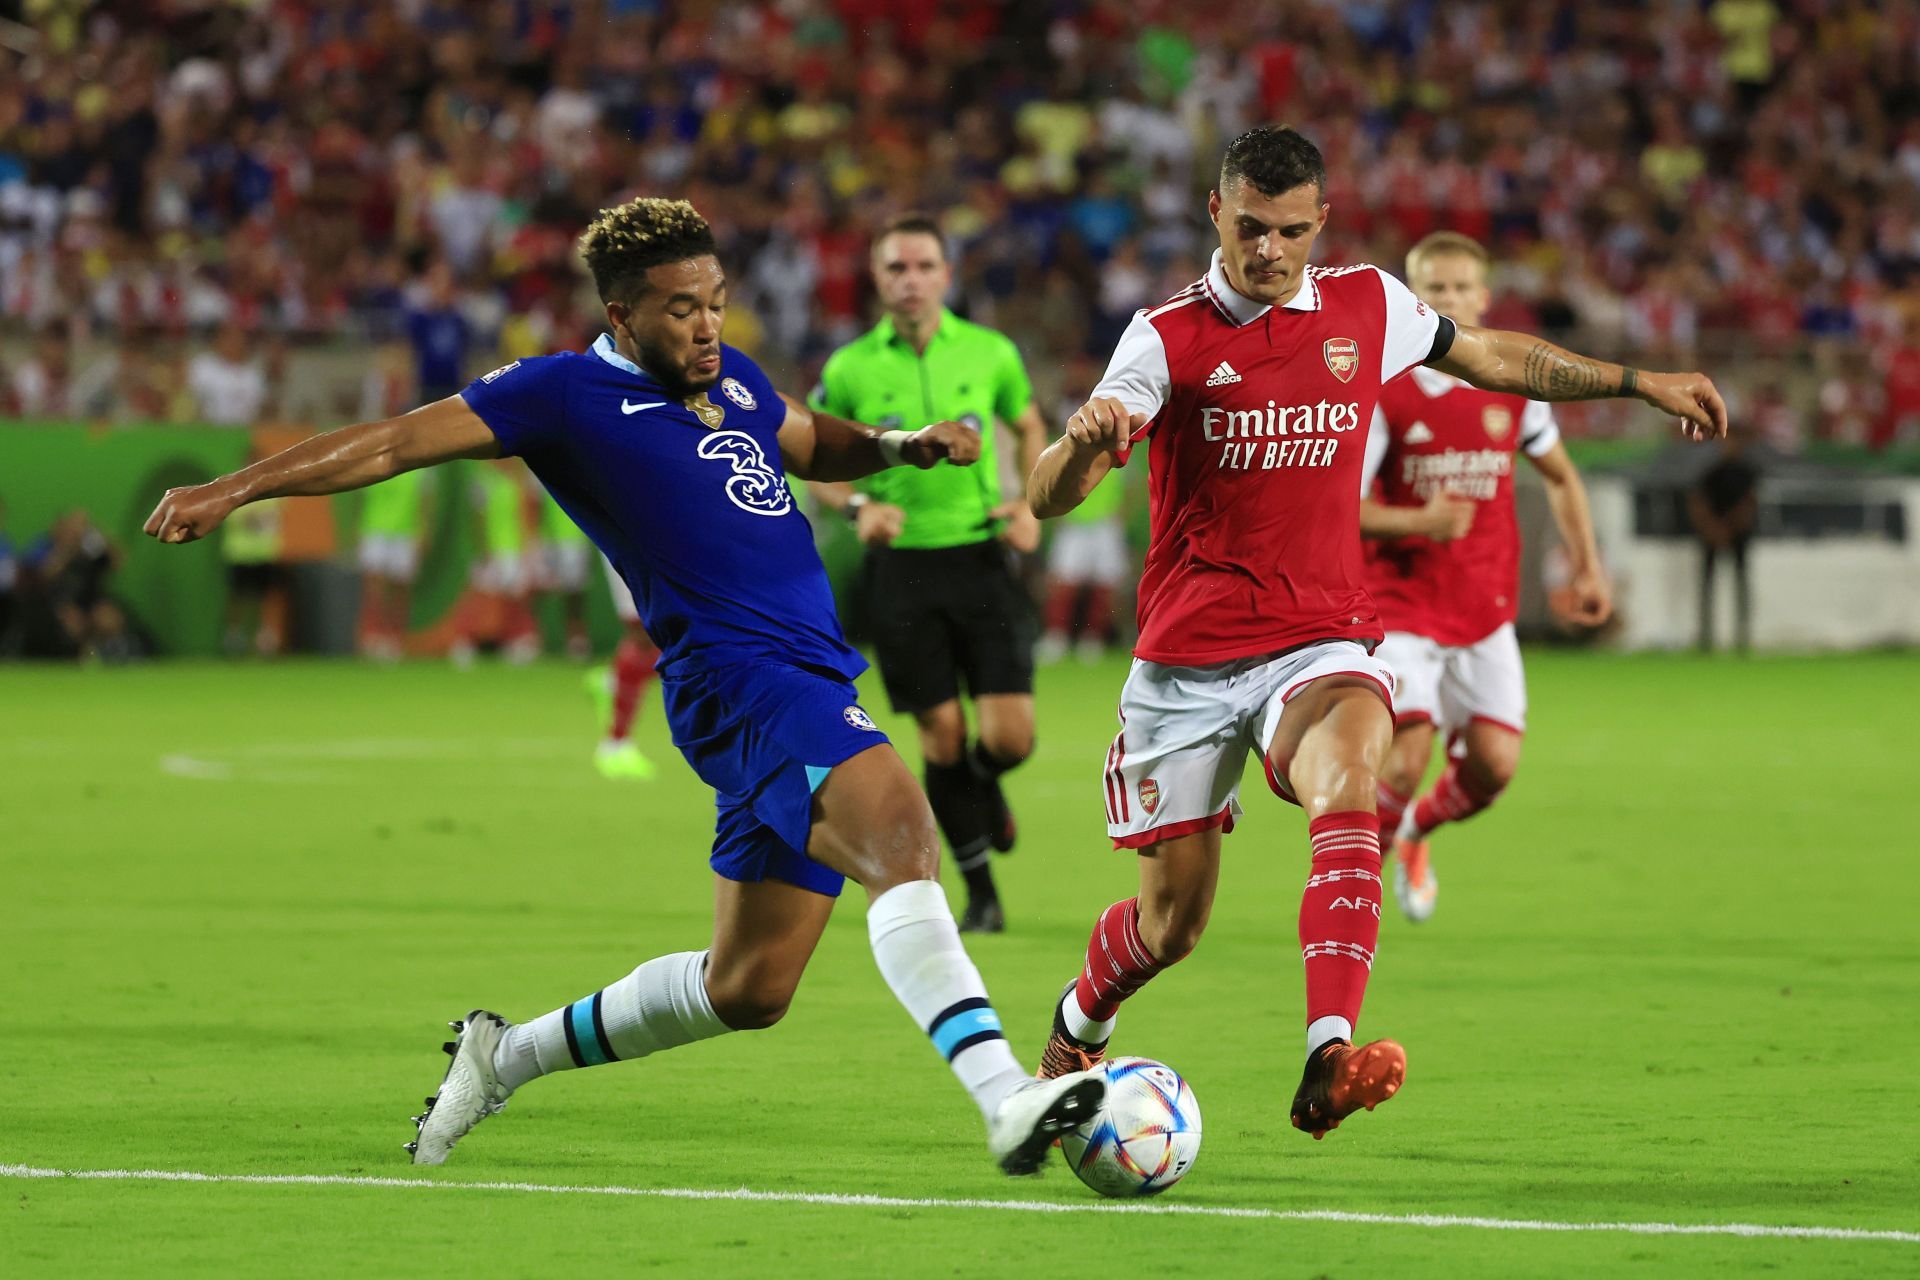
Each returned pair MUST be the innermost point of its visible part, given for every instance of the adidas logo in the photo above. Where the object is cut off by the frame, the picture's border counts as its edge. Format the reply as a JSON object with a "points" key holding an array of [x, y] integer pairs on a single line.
{"points": [[1418, 433], [1222, 375]]}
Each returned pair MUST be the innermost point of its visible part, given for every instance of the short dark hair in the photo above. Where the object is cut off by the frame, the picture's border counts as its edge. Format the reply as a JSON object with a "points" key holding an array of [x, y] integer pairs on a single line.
{"points": [[1274, 158], [623, 243], [913, 224]]}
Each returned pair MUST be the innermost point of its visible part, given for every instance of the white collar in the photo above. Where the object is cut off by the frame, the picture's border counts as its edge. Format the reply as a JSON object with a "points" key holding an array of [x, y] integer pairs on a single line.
{"points": [[1241, 309], [604, 348]]}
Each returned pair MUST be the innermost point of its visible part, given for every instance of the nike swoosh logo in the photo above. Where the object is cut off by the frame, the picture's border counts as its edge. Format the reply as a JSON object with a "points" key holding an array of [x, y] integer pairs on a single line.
{"points": [[627, 406]]}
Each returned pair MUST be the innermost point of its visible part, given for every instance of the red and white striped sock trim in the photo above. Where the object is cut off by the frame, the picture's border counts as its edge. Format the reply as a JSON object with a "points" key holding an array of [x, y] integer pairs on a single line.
{"points": [[1340, 873], [1349, 950]]}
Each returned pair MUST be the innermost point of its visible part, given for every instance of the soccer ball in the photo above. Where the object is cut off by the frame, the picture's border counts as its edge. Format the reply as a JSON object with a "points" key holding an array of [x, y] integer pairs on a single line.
{"points": [[1144, 1139]]}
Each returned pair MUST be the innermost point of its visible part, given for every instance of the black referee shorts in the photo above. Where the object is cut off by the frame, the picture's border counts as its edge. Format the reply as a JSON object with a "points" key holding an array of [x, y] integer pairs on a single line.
{"points": [[938, 616]]}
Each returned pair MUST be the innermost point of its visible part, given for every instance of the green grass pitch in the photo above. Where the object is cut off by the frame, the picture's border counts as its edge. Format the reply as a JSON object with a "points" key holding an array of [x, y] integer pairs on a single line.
{"points": [[1674, 979]]}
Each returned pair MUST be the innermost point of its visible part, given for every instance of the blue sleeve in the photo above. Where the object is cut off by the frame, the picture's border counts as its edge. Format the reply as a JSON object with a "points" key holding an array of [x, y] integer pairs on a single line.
{"points": [[524, 403]]}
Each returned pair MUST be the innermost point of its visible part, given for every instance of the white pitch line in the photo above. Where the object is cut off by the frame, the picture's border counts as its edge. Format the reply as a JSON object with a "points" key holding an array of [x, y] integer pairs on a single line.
{"points": [[1742, 1229]]}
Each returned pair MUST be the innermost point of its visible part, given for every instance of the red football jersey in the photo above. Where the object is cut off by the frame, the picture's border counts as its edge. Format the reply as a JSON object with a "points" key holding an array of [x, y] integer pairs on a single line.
{"points": [[1258, 420], [1434, 432]]}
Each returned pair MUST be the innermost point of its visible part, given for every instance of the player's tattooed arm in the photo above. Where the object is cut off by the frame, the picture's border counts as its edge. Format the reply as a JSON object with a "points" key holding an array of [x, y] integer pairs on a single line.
{"points": [[1518, 363], [333, 462], [819, 446]]}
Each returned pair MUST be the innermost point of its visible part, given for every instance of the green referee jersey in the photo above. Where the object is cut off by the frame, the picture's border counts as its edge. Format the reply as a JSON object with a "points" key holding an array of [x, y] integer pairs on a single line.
{"points": [[969, 374]]}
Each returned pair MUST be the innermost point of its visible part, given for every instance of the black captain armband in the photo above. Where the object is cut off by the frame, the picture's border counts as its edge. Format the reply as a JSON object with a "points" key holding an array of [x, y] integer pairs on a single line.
{"points": [[1443, 335]]}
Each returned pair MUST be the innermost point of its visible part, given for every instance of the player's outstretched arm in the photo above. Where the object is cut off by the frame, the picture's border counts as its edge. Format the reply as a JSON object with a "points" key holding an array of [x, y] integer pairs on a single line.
{"points": [[333, 462], [819, 446], [1520, 364], [1072, 465], [1443, 518], [1592, 594]]}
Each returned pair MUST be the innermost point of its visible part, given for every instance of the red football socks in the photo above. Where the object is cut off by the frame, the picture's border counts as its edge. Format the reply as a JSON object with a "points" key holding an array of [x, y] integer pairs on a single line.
{"points": [[1340, 913], [1118, 963], [632, 668], [1453, 797], [1391, 806]]}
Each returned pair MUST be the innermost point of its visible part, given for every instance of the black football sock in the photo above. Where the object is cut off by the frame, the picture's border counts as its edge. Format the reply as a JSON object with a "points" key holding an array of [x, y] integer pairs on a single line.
{"points": [[955, 795]]}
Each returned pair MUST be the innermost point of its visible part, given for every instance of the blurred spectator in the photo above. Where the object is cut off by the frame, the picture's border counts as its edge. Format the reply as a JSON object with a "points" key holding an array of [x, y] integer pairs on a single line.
{"points": [[441, 336], [1900, 391], [1724, 507], [44, 384], [72, 564], [228, 382]]}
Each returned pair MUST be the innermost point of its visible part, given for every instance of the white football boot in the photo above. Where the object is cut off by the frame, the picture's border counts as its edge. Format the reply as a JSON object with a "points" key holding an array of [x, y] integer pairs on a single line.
{"points": [[1414, 884], [470, 1092], [1036, 1113]]}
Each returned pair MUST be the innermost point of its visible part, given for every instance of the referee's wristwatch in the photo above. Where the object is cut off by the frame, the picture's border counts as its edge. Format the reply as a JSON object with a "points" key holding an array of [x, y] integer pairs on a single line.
{"points": [[854, 505]]}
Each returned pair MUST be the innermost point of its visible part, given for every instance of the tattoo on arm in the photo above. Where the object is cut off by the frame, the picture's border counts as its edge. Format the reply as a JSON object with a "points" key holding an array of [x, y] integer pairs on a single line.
{"points": [[1554, 374], [1629, 379]]}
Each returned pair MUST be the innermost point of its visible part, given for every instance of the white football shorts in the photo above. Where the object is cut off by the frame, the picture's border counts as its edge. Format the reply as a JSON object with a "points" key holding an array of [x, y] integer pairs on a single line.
{"points": [[1451, 686], [1095, 554], [622, 598], [1185, 732], [391, 555]]}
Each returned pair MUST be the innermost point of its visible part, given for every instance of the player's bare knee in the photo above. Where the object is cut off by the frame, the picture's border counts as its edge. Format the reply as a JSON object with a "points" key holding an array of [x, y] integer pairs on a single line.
{"points": [[900, 843], [943, 734], [752, 1006], [1008, 745]]}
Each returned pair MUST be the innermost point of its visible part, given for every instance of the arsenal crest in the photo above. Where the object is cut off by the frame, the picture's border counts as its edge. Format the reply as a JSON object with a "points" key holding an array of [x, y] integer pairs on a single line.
{"points": [[706, 410], [1497, 419], [1343, 357], [1149, 794]]}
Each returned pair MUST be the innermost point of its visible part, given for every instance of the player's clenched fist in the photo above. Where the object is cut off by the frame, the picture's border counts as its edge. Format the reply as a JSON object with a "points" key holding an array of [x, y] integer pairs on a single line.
{"points": [[1448, 516], [1102, 425], [954, 442], [189, 512]]}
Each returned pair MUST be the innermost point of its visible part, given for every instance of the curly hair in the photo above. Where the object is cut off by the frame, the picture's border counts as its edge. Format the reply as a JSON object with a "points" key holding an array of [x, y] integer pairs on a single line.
{"points": [[622, 243], [1273, 158]]}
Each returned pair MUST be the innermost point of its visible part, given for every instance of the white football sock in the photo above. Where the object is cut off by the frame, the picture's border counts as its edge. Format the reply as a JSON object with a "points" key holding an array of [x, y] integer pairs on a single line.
{"points": [[1082, 1028], [660, 1005], [1331, 1027], [917, 947]]}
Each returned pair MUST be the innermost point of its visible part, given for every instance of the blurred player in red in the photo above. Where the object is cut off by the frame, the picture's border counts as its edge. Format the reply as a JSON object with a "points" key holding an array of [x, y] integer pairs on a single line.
{"points": [[1444, 570], [1257, 386], [619, 689]]}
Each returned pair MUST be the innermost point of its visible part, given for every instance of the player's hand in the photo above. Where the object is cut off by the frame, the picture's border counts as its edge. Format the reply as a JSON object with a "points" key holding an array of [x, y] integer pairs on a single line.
{"points": [[954, 442], [878, 523], [1590, 598], [1102, 425], [1448, 516], [190, 512], [1022, 528], [1691, 397]]}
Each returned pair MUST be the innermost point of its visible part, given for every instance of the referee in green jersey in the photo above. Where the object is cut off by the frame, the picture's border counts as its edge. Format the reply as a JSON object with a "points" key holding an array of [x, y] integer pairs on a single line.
{"points": [[946, 606]]}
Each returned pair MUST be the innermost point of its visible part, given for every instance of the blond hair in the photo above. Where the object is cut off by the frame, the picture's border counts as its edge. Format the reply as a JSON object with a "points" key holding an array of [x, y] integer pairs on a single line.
{"points": [[1441, 243], [622, 243]]}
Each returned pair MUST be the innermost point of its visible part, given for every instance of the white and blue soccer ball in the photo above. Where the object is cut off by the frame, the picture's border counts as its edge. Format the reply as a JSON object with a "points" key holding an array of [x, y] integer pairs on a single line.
{"points": [[1146, 1136]]}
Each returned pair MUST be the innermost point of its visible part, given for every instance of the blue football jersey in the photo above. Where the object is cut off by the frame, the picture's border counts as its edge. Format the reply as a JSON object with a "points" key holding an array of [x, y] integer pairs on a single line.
{"points": [[689, 500]]}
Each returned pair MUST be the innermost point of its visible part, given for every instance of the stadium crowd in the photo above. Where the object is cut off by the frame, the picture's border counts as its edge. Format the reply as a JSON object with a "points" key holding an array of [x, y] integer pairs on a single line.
{"points": [[188, 189]]}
